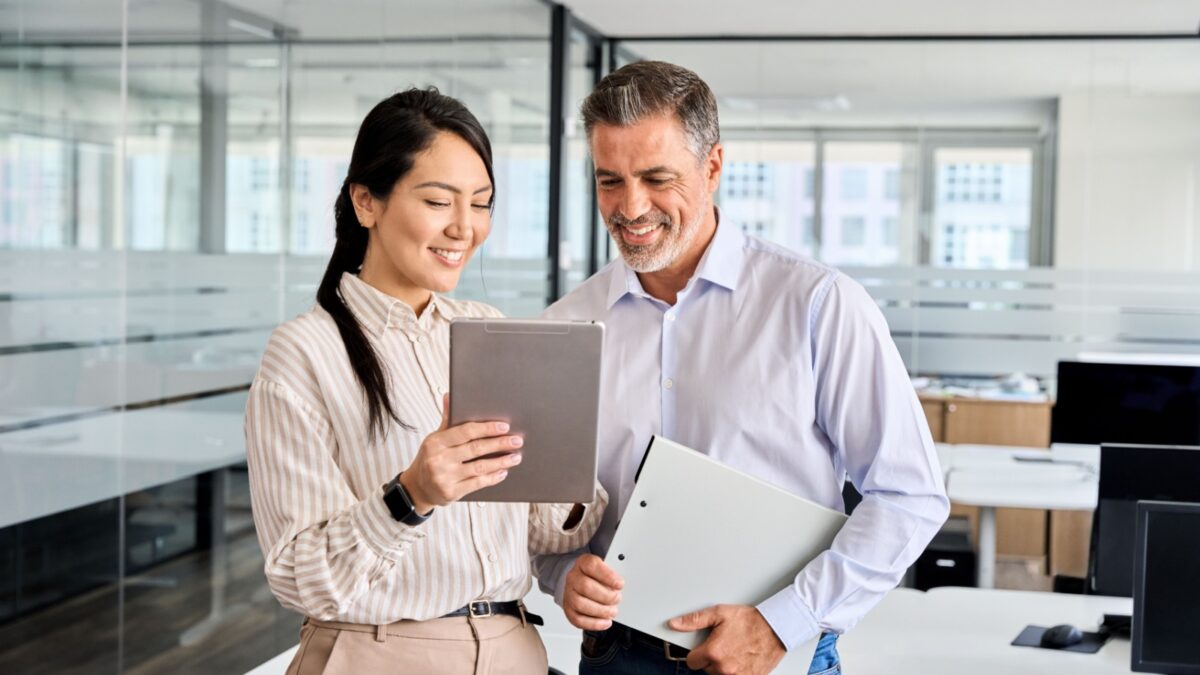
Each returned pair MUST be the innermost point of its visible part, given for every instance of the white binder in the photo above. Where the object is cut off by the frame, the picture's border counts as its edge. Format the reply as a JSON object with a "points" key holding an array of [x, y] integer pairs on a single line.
{"points": [[697, 533]]}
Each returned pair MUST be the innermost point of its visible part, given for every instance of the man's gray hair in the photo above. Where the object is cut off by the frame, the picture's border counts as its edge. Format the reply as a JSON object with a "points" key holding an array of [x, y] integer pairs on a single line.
{"points": [[644, 89]]}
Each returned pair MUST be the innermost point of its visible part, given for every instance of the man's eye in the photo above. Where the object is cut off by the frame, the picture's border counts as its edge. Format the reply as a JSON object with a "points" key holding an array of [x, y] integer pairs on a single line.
{"points": [[656, 181]]}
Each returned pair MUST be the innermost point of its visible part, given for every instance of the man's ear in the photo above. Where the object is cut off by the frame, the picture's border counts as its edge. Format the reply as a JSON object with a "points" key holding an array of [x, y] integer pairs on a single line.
{"points": [[712, 167], [364, 205]]}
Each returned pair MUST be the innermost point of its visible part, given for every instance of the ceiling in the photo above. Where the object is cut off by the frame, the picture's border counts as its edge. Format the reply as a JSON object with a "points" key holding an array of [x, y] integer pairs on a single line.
{"points": [[888, 17]]}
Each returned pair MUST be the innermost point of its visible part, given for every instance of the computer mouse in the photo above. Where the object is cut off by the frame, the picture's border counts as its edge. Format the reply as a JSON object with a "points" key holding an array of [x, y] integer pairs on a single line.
{"points": [[1062, 635]]}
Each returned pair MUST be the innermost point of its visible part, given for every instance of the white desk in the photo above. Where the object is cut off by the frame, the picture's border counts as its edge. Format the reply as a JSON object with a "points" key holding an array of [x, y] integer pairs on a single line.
{"points": [[952, 631], [990, 477]]}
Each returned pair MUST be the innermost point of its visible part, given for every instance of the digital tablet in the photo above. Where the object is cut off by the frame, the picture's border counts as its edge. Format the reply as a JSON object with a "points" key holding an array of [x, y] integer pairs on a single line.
{"points": [[543, 378]]}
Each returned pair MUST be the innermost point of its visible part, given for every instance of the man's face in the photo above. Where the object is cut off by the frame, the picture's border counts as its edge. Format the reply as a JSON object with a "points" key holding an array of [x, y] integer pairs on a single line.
{"points": [[652, 191]]}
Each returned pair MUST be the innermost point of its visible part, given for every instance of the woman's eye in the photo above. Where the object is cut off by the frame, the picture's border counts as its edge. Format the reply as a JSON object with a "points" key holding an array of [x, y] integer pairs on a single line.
{"points": [[436, 203], [481, 207]]}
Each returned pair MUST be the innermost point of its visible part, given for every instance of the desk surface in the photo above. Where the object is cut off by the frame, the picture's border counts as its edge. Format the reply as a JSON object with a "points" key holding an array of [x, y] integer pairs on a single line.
{"points": [[982, 475], [53, 468], [952, 631]]}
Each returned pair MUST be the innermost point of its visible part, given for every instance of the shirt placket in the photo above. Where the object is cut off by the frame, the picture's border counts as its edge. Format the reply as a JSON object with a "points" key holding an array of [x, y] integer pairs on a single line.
{"points": [[667, 385], [419, 339]]}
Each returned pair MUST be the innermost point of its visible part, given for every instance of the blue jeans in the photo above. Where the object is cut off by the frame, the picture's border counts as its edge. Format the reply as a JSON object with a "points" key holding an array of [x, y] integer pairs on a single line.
{"points": [[614, 655]]}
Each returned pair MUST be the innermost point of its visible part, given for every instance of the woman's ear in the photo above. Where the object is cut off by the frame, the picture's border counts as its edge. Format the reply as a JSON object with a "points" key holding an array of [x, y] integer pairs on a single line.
{"points": [[364, 205]]}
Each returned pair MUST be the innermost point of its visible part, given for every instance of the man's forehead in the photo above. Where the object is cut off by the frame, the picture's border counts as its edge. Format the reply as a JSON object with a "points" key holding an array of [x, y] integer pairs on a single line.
{"points": [[646, 145]]}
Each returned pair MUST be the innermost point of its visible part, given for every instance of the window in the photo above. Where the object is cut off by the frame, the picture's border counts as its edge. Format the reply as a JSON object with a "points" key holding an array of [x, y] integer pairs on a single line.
{"points": [[891, 184], [854, 183], [889, 233], [854, 231], [994, 206]]}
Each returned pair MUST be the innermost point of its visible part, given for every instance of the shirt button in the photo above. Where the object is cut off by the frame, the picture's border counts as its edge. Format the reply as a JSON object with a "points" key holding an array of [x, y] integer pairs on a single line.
{"points": [[670, 317], [414, 338], [668, 383], [479, 505], [491, 557]]}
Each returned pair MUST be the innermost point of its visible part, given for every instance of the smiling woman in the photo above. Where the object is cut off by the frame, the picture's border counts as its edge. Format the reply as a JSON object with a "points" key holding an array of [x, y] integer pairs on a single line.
{"points": [[348, 444]]}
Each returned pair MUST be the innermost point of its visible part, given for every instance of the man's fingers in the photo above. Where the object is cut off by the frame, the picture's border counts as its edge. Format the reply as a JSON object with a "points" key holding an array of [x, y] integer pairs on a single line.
{"points": [[597, 569], [595, 591], [587, 622], [696, 620], [699, 658], [585, 606]]}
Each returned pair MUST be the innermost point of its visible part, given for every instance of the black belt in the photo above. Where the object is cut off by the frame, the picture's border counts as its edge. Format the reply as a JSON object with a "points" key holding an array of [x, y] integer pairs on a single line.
{"points": [[671, 652], [485, 608]]}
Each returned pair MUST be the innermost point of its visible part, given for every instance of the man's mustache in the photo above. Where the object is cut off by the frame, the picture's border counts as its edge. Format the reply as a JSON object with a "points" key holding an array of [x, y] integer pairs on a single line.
{"points": [[619, 220]]}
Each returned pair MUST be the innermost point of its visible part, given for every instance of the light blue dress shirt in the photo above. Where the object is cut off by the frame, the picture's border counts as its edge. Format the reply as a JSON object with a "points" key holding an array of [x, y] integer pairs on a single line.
{"points": [[783, 368]]}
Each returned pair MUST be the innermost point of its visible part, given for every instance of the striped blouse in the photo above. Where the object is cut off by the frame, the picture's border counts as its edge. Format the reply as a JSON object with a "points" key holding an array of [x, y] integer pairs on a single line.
{"points": [[333, 550]]}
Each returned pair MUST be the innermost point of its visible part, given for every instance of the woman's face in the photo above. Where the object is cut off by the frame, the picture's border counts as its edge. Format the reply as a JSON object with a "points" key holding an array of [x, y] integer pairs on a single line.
{"points": [[423, 234]]}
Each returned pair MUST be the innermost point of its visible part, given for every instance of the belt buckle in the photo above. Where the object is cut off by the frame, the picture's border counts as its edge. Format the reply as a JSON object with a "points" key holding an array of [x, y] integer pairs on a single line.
{"points": [[483, 613], [667, 652]]}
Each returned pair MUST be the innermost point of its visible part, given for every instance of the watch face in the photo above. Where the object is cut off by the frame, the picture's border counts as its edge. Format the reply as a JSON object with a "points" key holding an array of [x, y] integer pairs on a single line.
{"points": [[400, 505]]}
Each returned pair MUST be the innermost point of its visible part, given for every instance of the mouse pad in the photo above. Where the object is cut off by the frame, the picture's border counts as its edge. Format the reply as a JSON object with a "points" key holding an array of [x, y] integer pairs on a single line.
{"points": [[1032, 637]]}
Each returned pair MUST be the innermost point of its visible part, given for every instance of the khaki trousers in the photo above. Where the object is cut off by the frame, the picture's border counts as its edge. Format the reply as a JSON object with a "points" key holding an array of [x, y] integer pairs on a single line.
{"points": [[494, 645]]}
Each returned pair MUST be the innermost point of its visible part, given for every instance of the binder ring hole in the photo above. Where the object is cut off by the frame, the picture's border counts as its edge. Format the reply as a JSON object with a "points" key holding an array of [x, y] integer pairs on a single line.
{"points": [[621, 556], [643, 504]]}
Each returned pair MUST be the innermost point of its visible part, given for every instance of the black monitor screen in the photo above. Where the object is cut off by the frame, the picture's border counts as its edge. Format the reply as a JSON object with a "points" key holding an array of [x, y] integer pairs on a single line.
{"points": [[1128, 474], [1166, 616], [1126, 403]]}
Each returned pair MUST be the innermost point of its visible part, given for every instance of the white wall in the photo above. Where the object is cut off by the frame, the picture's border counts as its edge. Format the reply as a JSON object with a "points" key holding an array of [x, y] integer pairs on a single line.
{"points": [[1128, 181]]}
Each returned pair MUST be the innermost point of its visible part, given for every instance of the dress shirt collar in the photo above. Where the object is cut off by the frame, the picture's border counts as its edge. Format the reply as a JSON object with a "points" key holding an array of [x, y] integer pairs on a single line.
{"points": [[721, 265], [377, 311]]}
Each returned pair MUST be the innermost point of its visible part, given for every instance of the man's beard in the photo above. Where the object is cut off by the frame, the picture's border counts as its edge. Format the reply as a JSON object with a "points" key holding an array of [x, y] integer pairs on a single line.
{"points": [[659, 254]]}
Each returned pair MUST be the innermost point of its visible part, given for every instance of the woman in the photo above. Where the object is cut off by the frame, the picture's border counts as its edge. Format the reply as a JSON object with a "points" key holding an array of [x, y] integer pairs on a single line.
{"points": [[355, 477]]}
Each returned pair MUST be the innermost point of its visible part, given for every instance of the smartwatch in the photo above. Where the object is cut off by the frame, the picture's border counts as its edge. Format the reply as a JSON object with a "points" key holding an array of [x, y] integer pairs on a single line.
{"points": [[400, 504]]}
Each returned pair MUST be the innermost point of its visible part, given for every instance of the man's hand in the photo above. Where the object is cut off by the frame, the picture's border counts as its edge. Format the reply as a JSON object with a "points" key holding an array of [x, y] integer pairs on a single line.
{"points": [[741, 641], [592, 593]]}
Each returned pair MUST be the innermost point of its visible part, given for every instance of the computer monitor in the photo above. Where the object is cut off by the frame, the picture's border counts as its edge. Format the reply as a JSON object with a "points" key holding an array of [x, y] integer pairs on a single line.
{"points": [[1126, 403], [1129, 473], [1166, 591]]}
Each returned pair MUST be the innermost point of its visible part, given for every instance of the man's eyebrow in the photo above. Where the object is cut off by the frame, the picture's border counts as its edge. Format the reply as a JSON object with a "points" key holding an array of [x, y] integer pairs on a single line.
{"points": [[451, 188], [640, 172]]}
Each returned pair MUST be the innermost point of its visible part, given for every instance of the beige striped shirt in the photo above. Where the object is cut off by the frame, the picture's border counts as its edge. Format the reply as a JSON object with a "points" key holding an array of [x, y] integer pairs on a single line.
{"points": [[333, 550]]}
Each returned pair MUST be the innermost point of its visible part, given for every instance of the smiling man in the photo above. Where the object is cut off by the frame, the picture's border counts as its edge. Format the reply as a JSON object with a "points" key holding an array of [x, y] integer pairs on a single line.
{"points": [[761, 358]]}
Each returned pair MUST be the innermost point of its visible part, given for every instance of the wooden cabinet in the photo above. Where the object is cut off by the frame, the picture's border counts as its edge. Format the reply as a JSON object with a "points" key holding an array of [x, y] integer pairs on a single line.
{"points": [[1019, 532]]}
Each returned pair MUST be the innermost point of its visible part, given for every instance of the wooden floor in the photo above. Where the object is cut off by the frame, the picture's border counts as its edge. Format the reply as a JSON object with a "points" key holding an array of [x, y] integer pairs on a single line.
{"points": [[87, 634]]}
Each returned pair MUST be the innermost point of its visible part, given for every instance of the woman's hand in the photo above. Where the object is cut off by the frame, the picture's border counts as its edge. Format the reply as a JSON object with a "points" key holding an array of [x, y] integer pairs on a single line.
{"points": [[443, 471]]}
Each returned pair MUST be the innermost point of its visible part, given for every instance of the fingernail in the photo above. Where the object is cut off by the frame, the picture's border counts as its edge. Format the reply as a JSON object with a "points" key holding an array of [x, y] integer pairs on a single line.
{"points": [[515, 459], [516, 441], [501, 427], [503, 475]]}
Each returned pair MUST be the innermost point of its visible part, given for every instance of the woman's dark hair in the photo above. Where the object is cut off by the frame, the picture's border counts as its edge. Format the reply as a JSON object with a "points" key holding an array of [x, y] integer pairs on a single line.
{"points": [[396, 130]]}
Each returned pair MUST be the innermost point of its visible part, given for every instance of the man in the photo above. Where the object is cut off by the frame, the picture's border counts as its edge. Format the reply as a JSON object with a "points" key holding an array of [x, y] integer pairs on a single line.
{"points": [[755, 355]]}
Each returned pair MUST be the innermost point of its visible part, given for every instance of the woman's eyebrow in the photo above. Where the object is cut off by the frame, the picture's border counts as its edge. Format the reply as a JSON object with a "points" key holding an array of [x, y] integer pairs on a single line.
{"points": [[451, 188]]}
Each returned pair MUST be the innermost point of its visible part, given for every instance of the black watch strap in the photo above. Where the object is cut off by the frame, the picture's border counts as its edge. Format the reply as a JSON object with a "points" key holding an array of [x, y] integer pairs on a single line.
{"points": [[400, 504]]}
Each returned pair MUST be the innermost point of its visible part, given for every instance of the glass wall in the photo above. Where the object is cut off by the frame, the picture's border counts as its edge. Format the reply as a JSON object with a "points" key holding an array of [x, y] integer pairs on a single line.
{"points": [[167, 176]]}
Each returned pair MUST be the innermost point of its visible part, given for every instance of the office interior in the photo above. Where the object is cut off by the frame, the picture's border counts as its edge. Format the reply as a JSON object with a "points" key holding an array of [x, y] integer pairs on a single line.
{"points": [[1016, 185]]}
